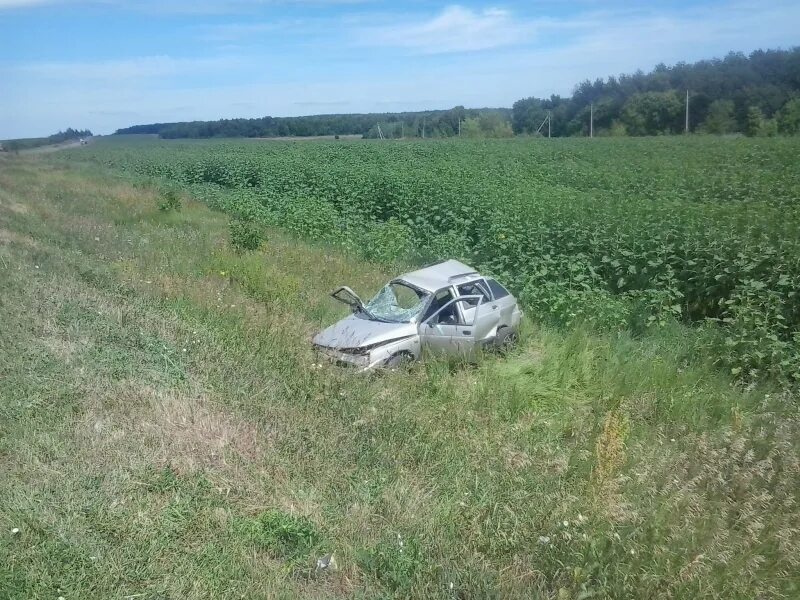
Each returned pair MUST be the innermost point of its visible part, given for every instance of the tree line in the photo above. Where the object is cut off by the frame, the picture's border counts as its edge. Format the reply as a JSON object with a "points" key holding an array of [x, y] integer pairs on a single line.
{"points": [[755, 94], [432, 123]]}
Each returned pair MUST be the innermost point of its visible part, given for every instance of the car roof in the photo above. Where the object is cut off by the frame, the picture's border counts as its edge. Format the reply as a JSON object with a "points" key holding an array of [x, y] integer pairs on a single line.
{"points": [[435, 277]]}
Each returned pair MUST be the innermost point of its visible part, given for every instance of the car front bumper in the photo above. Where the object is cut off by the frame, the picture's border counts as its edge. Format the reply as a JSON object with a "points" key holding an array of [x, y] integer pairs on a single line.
{"points": [[345, 359], [373, 358]]}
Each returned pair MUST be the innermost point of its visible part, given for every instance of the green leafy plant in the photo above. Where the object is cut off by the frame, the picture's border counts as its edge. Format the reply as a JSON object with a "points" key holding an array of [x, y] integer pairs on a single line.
{"points": [[245, 234], [170, 200]]}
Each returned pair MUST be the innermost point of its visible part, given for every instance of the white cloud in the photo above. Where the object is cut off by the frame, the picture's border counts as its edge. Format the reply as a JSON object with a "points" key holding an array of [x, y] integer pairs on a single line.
{"points": [[455, 29]]}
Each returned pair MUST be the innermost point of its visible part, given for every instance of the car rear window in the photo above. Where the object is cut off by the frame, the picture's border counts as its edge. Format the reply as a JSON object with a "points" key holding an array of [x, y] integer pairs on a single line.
{"points": [[498, 291]]}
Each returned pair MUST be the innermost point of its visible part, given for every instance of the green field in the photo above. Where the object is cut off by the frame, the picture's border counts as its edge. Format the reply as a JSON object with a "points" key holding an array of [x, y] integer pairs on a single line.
{"points": [[167, 433], [626, 234]]}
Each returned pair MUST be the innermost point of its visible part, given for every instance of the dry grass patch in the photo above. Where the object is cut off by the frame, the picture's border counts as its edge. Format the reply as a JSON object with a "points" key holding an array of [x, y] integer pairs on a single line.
{"points": [[190, 435], [9, 238], [181, 430], [15, 207], [62, 348]]}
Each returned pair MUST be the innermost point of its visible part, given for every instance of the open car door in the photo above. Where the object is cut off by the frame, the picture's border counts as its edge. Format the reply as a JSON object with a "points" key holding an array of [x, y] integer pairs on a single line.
{"points": [[480, 323], [349, 297], [454, 334]]}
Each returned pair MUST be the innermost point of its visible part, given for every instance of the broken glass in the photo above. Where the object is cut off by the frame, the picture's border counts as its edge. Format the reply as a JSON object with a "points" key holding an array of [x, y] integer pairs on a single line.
{"points": [[397, 303]]}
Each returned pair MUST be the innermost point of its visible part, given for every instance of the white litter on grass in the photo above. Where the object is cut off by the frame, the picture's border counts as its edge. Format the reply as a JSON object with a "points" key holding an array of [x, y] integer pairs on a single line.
{"points": [[544, 539], [326, 563], [15, 531]]}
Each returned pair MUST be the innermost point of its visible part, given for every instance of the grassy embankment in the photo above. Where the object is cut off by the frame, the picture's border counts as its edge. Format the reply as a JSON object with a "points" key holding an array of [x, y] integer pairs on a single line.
{"points": [[165, 433]]}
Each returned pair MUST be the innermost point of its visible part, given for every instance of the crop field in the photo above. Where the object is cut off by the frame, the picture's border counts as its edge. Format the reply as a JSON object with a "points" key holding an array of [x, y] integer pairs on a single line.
{"points": [[624, 234], [166, 430]]}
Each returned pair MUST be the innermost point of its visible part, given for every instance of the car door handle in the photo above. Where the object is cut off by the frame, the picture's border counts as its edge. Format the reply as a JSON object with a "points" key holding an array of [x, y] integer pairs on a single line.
{"points": [[466, 332], [494, 306]]}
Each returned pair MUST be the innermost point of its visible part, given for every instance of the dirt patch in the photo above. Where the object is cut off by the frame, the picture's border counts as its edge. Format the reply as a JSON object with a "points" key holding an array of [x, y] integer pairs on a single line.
{"points": [[15, 207], [53, 147], [11, 237], [194, 437], [61, 348], [170, 428], [516, 459]]}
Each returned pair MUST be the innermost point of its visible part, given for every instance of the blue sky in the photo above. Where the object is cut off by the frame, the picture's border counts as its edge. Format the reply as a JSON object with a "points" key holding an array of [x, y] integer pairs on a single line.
{"points": [[105, 64]]}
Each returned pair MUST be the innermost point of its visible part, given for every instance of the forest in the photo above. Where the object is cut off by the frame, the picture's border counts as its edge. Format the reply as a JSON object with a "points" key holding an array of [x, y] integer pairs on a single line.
{"points": [[756, 94]]}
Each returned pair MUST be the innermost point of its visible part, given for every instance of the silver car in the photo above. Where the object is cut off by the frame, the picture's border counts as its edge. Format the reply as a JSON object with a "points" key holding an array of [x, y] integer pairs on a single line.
{"points": [[448, 308]]}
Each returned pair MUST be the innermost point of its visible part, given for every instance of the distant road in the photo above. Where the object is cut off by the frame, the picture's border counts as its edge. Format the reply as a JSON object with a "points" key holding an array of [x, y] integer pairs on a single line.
{"points": [[54, 147]]}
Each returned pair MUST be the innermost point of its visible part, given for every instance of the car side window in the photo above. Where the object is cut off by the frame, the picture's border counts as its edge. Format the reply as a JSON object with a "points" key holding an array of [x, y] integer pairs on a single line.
{"points": [[441, 298], [473, 288], [498, 290]]}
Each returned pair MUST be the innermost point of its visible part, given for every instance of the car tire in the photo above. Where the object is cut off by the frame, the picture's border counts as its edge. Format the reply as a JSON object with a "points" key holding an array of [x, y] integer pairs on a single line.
{"points": [[506, 340], [399, 361]]}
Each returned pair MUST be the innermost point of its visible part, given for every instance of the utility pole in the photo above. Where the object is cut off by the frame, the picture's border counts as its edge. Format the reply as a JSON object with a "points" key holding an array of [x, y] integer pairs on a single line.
{"points": [[687, 111], [423, 128], [459, 127], [548, 124], [591, 120]]}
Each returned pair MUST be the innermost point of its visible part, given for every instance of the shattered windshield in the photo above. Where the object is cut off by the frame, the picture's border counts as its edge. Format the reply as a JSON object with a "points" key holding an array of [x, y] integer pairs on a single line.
{"points": [[396, 303]]}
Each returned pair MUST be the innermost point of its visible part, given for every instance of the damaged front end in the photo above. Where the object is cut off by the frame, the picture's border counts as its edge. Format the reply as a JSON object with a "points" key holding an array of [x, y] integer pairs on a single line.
{"points": [[377, 331], [364, 345], [345, 357]]}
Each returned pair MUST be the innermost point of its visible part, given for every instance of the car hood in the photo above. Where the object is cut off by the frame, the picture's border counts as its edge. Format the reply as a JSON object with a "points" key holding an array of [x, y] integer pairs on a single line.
{"points": [[354, 332]]}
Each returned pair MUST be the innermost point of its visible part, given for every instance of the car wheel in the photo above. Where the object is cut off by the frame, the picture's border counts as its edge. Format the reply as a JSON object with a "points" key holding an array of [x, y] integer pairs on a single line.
{"points": [[399, 361], [506, 340]]}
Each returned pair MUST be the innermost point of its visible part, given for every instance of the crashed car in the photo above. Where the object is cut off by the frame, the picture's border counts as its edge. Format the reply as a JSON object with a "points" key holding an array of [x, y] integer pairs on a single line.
{"points": [[448, 308]]}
